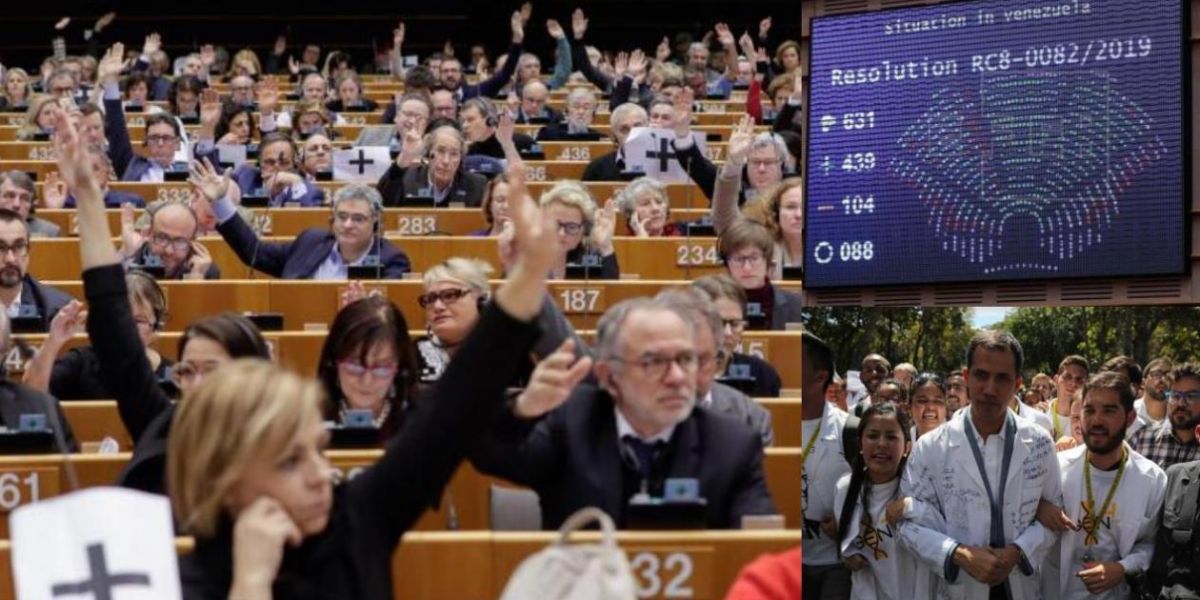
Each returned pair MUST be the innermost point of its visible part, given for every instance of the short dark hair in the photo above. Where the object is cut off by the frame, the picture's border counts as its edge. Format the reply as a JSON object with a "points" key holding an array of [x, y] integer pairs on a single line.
{"points": [[816, 355], [1074, 359], [236, 334], [1118, 363], [1161, 363], [421, 78], [1111, 380], [12, 216], [163, 119], [1185, 370], [995, 339]]}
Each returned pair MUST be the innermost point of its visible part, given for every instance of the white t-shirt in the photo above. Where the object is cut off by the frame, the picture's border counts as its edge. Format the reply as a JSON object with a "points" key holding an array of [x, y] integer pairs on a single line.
{"points": [[818, 482], [892, 569]]}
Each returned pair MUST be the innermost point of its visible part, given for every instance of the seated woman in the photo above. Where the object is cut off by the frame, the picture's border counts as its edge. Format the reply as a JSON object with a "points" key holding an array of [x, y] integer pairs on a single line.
{"points": [[748, 250], [77, 376], [236, 125], [759, 376], [585, 233], [125, 371], [277, 176], [647, 209], [310, 117], [16, 91], [248, 475], [495, 207], [349, 95], [245, 62], [137, 94], [368, 363], [38, 123], [431, 167], [183, 99]]}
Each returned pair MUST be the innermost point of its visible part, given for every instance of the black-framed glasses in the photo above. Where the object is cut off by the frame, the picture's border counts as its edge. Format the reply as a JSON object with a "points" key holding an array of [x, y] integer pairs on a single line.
{"points": [[570, 228], [356, 369], [1182, 397], [178, 244], [19, 249], [655, 366], [161, 139], [448, 296], [356, 218]]}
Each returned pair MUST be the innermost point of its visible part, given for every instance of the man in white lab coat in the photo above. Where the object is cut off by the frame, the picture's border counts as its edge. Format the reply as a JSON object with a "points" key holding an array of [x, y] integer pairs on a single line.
{"points": [[1111, 495], [825, 577], [981, 475]]}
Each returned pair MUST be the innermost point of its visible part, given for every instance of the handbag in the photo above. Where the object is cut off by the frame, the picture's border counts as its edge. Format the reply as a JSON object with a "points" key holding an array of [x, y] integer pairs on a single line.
{"points": [[565, 571]]}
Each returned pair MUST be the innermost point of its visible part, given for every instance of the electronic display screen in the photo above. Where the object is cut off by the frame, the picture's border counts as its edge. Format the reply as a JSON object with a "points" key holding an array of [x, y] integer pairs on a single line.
{"points": [[996, 140]]}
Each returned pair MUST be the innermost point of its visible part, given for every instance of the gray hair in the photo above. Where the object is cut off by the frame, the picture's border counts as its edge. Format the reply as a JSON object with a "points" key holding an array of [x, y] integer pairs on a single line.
{"points": [[360, 191], [627, 198], [612, 322], [700, 309], [581, 93], [771, 140], [20, 179], [628, 109]]}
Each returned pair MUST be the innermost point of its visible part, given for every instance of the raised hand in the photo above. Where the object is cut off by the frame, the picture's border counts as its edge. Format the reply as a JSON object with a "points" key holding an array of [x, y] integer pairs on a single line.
{"points": [[552, 381], [517, 24], [353, 292], [554, 29], [663, 52], [738, 150], [69, 321], [604, 224], [682, 121], [54, 191], [208, 56], [210, 109], [797, 94], [746, 43], [724, 35], [293, 66], [526, 12], [280, 45], [132, 240], [620, 64], [579, 24], [637, 65], [448, 49], [152, 44], [208, 180], [104, 20], [535, 237], [74, 160], [764, 27], [109, 69], [266, 93], [505, 128], [398, 36]]}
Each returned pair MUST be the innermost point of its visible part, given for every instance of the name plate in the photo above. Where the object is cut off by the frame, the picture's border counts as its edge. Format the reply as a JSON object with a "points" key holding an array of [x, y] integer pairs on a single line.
{"points": [[697, 254], [20, 486], [575, 152], [574, 300], [421, 223], [759, 348]]}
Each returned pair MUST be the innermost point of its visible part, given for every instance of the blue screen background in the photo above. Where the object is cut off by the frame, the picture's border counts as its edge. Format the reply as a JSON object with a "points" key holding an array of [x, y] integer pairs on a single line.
{"points": [[1071, 169]]}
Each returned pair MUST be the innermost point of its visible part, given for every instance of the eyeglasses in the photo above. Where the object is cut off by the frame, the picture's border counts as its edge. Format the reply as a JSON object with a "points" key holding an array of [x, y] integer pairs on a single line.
{"points": [[19, 249], [757, 164], [356, 218], [447, 296], [734, 324], [355, 369], [570, 228], [1183, 397], [746, 260], [178, 244], [655, 366], [187, 373], [161, 139]]}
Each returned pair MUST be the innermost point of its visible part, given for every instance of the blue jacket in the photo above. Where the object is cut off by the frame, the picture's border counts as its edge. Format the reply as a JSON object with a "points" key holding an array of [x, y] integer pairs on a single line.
{"points": [[301, 257], [250, 181], [113, 199]]}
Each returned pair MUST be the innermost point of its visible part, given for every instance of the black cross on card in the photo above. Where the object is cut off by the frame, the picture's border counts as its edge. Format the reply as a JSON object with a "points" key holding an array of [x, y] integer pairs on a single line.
{"points": [[100, 585], [664, 154], [362, 161]]}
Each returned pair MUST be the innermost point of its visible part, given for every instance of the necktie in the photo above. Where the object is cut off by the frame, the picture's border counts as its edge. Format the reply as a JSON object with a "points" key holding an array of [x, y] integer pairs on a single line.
{"points": [[645, 453]]}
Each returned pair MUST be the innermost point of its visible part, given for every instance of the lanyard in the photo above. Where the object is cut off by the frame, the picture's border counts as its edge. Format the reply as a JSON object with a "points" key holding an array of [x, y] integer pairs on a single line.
{"points": [[812, 440], [1091, 519], [1054, 417], [997, 501]]}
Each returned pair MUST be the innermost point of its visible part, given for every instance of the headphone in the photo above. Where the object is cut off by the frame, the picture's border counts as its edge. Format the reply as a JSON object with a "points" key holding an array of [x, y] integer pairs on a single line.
{"points": [[158, 299], [375, 203], [261, 348], [486, 108]]}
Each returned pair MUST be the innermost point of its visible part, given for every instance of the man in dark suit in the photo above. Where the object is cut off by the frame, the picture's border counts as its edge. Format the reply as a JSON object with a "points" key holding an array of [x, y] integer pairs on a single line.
{"points": [[20, 294], [102, 169], [639, 428], [451, 71], [533, 107], [353, 238], [171, 244], [611, 166], [440, 178], [575, 124], [162, 133], [17, 400]]}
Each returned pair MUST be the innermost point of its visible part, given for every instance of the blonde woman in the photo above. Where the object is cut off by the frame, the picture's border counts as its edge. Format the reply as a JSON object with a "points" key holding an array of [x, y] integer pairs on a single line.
{"points": [[16, 92], [585, 232], [38, 120], [249, 479]]}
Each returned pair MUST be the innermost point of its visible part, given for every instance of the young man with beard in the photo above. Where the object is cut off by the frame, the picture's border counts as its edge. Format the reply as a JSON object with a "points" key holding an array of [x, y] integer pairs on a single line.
{"points": [[874, 370], [1111, 496], [1174, 440], [1071, 375], [20, 293], [1151, 408]]}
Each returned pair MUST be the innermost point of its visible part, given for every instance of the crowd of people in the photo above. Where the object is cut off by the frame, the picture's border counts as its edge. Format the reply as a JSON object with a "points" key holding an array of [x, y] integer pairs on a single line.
{"points": [[666, 391], [1089, 475]]}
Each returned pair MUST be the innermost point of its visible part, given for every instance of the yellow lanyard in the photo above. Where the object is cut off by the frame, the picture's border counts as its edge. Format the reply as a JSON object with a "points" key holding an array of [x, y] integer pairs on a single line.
{"points": [[812, 440], [1091, 519], [1054, 418]]}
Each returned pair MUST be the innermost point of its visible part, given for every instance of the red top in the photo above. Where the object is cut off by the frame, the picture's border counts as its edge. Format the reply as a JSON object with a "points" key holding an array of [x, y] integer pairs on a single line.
{"points": [[769, 577]]}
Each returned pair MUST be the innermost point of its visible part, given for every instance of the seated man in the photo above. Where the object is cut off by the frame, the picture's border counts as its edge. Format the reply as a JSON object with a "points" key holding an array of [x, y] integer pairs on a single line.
{"points": [[17, 400], [759, 376], [641, 426], [102, 169], [576, 124], [20, 294], [611, 166], [170, 244], [17, 192], [351, 241], [533, 107], [163, 133], [440, 176], [479, 122]]}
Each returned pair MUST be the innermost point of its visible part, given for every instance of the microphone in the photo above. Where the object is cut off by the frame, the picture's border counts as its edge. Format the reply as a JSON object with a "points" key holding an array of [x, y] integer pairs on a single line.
{"points": [[61, 441]]}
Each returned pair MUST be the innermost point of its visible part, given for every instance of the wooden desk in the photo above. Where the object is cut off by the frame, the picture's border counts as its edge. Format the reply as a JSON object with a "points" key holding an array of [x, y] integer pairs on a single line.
{"points": [[469, 565]]}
